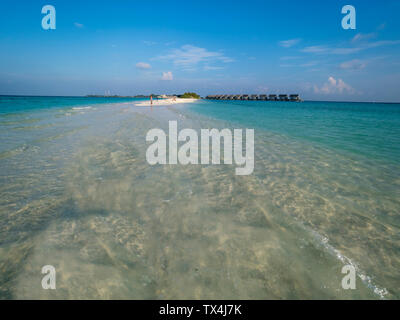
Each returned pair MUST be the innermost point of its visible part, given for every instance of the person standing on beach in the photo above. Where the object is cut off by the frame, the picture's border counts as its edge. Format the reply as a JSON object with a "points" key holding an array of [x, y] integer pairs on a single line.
{"points": [[151, 100]]}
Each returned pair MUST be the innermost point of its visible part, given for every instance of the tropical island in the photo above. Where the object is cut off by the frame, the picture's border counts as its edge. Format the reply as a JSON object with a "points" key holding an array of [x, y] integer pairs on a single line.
{"points": [[186, 95], [189, 95]]}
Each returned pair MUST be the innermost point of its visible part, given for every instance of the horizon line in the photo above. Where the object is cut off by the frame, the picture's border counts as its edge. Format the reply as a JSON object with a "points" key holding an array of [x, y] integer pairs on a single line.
{"points": [[120, 96]]}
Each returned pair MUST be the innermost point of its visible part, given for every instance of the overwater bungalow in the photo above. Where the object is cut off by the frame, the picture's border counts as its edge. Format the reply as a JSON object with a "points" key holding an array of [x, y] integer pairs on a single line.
{"points": [[262, 97], [294, 97], [283, 97]]}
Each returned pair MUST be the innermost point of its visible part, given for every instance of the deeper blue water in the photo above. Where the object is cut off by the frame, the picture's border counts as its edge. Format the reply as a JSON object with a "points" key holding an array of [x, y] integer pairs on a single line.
{"points": [[24, 104], [368, 129]]}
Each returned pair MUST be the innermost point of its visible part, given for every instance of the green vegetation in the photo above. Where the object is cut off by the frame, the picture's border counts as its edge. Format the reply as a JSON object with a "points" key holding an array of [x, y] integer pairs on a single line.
{"points": [[190, 95]]}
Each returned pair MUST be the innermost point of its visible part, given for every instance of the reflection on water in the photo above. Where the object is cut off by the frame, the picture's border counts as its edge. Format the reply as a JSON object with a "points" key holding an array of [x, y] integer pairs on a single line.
{"points": [[82, 198]]}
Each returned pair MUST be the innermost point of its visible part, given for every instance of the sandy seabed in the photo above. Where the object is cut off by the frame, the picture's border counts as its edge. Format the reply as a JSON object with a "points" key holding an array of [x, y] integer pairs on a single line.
{"points": [[82, 198]]}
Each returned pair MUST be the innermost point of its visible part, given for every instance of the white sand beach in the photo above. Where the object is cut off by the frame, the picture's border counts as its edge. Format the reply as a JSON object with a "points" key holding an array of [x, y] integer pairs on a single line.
{"points": [[164, 102]]}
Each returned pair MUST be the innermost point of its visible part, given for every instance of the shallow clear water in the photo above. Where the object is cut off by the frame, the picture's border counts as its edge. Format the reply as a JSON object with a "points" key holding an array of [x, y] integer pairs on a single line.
{"points": [[78, 194]]}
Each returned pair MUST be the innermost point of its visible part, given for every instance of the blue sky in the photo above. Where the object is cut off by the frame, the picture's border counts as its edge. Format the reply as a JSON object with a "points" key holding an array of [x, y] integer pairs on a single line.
{"points": [[132, 47]]}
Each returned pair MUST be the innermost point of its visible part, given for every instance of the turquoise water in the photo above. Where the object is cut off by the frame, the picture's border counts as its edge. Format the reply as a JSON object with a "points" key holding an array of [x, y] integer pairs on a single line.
{"points": [[76, 192], [21, 104], [368, 129]]}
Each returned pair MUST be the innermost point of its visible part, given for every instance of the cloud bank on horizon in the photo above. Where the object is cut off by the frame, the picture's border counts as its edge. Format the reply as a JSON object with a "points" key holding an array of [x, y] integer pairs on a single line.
{"points": [[232, 49]]}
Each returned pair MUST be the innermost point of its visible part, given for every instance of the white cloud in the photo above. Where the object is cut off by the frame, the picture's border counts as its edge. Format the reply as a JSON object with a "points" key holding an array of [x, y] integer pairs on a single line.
{"points": [[143, 65], [189, 56], [329, 50], [334, 86], [289, 43], [355, 64], [78, 25], [207, 68], [309, 64], [363, 36], [168, 76], [382, 43], [349, 50], [314, 49]]}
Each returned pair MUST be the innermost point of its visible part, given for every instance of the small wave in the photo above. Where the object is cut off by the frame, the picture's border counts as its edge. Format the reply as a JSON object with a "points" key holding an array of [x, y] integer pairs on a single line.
{"points": [[82, 108], [367, 280], [18, 122], [60, 135], [18, 150], [27, 128]]}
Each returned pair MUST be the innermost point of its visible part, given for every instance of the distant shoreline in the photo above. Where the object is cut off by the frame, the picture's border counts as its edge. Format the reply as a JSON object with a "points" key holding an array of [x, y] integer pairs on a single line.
{"points": [[165, 102], [148, 97]]}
